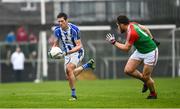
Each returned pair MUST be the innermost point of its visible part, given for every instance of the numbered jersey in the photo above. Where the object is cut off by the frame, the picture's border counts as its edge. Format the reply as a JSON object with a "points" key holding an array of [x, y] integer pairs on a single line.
{"points": [[67, 38], [141, 40]]}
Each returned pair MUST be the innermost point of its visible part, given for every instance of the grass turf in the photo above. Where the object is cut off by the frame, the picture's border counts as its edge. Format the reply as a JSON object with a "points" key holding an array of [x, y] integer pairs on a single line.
{"points": [[123, 93]]}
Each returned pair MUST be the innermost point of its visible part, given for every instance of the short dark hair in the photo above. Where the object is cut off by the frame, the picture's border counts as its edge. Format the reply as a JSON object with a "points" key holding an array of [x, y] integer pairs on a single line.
{"points": [[61, 14], [122, 19]]}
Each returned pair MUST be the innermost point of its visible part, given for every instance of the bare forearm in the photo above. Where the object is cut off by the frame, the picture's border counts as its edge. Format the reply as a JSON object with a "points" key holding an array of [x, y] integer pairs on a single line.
{"points": [[124, 47], [55, 44], [75, 49], [121, 46]]}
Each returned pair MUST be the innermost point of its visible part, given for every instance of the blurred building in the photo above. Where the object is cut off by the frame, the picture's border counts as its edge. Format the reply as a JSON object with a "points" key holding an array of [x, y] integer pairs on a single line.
{"points": [[87, 12], [90, 11]]}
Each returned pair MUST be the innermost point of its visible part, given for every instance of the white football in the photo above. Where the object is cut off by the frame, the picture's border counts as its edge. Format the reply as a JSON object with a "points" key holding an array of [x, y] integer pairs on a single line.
{"points": [[55, 51]]}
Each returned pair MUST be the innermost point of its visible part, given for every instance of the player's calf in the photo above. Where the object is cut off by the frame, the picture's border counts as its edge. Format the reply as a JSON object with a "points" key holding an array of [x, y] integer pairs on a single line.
{"points": [[145, 88]]}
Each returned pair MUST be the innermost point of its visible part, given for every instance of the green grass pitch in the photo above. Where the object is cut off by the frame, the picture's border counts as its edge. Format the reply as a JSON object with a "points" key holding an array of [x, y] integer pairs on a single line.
{"points": [[122, 93]]}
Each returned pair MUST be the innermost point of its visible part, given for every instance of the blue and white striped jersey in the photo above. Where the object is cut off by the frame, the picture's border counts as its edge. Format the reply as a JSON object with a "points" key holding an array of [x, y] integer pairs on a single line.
{"points": [[67, 38]]}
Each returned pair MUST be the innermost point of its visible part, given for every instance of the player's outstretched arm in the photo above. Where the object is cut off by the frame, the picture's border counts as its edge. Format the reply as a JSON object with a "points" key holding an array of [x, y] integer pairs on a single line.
{"points": [[124, 47]]}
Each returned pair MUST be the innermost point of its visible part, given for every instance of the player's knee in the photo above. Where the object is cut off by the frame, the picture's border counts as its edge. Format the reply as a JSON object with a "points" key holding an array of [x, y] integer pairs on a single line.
{"points": [[128, 71], [146, 77], [69, 73], [70, 76], [69, 68]]}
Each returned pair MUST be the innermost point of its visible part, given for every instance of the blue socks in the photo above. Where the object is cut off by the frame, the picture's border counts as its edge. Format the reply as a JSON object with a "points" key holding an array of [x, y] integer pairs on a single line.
{"points": [[73, 92], [85, 66]]}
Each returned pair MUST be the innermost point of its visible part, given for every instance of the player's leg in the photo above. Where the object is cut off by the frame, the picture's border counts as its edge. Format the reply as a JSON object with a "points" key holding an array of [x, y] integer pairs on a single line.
{"points": [[76, 59], [78, 71], [90, 64], [71, 62], [147, 70], [149, 63], [131, 69], [71, 78], [69, 67]]}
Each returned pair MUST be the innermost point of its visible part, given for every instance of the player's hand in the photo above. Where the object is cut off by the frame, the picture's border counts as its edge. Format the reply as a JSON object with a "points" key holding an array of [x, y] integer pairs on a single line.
{"points": [[110, 38], [49, 54], [64, 53], [60, 55], [156, 42]]}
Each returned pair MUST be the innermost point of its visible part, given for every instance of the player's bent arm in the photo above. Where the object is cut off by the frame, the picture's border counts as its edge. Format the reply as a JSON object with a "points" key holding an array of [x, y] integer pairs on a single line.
{"points": [[56, 43], [146, 30], [124, 47], [76, 48]]}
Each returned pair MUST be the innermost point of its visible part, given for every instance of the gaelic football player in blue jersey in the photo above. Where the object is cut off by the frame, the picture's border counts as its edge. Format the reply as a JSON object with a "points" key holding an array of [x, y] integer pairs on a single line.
{"points": [[68, 39]]}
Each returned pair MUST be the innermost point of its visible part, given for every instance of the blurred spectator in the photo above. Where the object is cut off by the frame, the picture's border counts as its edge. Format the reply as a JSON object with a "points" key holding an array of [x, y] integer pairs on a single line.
{"points": [[10, 37], [22, 38], [17, 60], [32, 38], [33, 50], [21, 35], [33, 45]]}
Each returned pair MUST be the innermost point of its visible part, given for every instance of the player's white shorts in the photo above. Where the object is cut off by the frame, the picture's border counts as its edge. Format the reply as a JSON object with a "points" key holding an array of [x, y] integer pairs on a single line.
{"points": [[74, 58], [148, 58]]}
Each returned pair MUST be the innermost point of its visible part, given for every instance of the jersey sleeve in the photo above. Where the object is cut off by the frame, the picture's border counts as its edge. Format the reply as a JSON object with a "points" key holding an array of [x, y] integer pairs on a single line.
{"points": [[57, 32], [75, 32]]}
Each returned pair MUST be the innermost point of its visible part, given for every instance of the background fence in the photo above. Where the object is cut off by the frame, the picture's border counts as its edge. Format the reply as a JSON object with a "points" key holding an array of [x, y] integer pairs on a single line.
{"points": [[110, 61]]}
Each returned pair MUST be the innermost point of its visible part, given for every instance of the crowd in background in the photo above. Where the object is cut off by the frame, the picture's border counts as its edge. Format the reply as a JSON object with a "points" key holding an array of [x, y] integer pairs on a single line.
{"points": [[19, 46], [21, 35], [21, 38]]}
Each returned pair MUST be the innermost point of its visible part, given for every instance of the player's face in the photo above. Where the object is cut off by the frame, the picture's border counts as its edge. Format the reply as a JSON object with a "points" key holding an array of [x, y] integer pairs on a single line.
{"points": [[63, 23], [121, 28]]}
